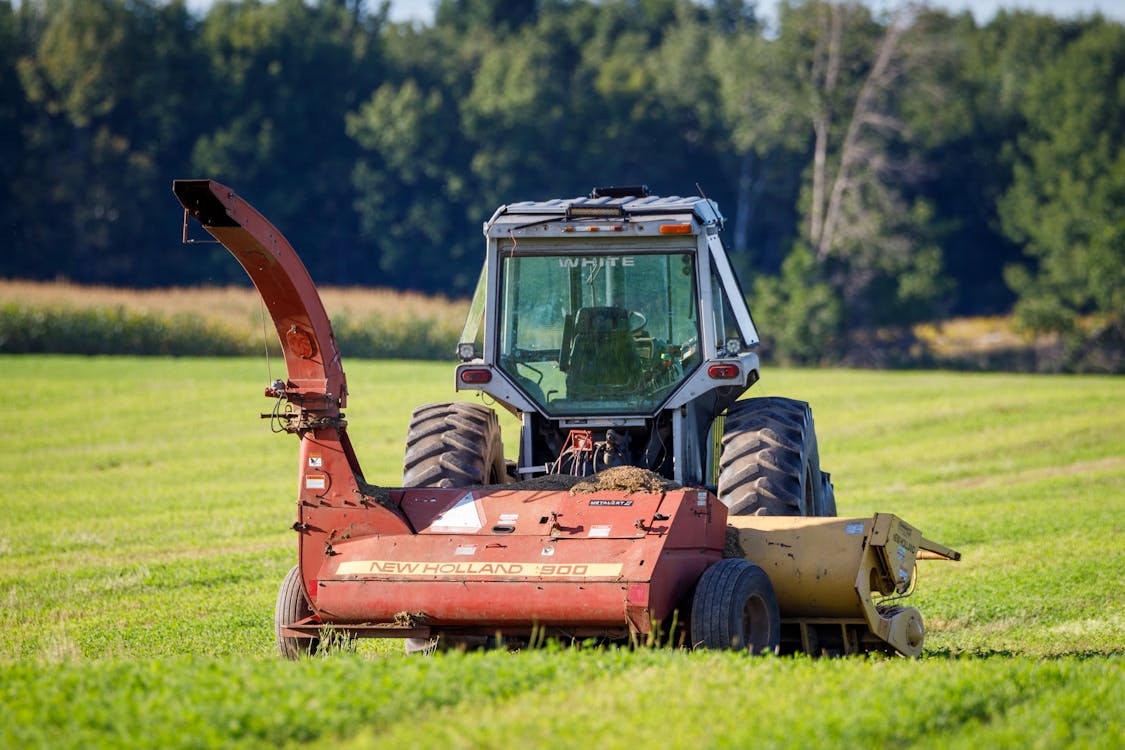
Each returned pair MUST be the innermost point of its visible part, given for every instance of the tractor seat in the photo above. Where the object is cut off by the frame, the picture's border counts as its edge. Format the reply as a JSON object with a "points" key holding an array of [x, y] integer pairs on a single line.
{"points": [[603, 358]]}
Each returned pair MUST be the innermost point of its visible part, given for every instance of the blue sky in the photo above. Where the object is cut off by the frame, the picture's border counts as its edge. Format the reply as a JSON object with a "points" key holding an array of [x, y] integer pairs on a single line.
{"points": [[983, 10]]}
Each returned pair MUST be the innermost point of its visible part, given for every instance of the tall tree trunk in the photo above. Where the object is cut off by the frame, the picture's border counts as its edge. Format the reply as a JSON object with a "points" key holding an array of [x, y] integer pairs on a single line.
{"points": [[826, 66], [877, 80], [750, 188]]}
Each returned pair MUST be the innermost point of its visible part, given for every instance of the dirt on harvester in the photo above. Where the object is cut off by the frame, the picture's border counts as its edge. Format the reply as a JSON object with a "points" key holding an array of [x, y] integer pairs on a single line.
{"points": [[733, 547], [625, 479], [617, 479], [376, 493]]}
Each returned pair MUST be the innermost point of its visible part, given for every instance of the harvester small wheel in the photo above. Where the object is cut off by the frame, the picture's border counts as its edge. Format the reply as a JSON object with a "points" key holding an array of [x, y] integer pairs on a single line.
{"points": [[292, 607], [770, 463], [735, 608], [453, 445]]}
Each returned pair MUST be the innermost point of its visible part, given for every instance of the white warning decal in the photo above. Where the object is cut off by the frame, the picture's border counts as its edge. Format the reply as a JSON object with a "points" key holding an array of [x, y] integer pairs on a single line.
{"points": [[461, 518]]}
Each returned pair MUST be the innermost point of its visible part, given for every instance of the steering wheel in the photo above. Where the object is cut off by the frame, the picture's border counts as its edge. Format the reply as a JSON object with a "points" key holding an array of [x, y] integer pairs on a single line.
{"points": [[637, 321]]}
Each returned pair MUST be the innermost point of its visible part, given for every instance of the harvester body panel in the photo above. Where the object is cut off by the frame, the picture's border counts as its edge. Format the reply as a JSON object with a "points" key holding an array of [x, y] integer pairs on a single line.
{"points": [[523, 558]]}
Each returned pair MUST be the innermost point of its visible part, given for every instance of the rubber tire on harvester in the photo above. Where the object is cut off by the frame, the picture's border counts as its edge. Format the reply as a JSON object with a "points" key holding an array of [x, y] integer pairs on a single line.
{"points": [[770, 463], [453, 445], [291, 607], [735, 608]]}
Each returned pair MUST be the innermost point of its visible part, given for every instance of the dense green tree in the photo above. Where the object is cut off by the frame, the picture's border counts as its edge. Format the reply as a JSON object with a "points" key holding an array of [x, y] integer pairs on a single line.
{"points": [[799, 312], [575, 101], [476, 16], [412, 179], [281, 77], [410, 191], [968, 139], [108, 81], [1066, 203], [15, 112]]}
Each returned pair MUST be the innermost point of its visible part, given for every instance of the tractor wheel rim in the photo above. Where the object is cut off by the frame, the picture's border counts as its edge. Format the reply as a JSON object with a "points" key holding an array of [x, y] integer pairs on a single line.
{"points": [[755, 624]]}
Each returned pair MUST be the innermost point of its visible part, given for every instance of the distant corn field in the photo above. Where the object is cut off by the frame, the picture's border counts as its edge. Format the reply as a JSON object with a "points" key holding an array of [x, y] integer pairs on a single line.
{"points": [[235, 306], [60, 317], [71, 318]]}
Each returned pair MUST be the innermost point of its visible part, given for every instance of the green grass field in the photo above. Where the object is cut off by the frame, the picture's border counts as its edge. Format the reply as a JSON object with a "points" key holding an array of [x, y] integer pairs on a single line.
{"points": [[144, 532]]}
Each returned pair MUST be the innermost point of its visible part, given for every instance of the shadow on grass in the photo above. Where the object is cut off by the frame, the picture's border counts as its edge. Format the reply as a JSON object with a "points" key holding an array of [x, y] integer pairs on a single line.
{"points": [[953, 654]]}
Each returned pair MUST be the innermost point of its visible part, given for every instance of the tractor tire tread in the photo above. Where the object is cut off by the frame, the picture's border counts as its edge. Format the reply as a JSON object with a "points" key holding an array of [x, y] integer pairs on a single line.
{"points": [[453, 444], [769, 455]]}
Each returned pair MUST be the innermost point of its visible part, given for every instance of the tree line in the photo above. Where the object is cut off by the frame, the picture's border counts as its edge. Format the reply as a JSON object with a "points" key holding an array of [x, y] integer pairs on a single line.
{"points": [[875, 169]]}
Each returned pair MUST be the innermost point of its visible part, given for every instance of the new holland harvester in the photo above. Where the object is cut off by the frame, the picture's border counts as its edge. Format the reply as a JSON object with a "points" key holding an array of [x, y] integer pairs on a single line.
{"points": [[647, 501]]}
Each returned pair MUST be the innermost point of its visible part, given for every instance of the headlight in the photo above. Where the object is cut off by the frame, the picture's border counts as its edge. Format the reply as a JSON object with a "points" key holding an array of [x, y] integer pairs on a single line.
{"points": [[466, 352]]}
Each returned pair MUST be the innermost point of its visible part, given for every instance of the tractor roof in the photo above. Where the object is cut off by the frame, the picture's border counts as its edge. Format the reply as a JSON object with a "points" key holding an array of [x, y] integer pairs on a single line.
{"points": [[704, 210]]}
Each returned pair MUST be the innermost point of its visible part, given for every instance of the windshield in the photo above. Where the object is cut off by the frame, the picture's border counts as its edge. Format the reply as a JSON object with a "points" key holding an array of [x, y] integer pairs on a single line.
{"points": [[598, 334]]}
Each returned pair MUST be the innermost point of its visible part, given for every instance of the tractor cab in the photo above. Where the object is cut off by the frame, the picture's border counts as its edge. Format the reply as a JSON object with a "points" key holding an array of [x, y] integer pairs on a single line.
{"points": [[598, 333], [615, 311]]}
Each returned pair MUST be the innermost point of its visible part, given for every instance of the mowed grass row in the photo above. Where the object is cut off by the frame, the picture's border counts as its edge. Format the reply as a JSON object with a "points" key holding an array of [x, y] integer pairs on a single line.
{"points": [[145, 530], [575, 698]]}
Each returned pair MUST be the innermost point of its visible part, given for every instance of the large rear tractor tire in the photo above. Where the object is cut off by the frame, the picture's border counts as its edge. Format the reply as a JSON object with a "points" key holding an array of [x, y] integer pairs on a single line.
{"points": [[292, 607], [453, 445], [770, 463], [735, 608]]}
